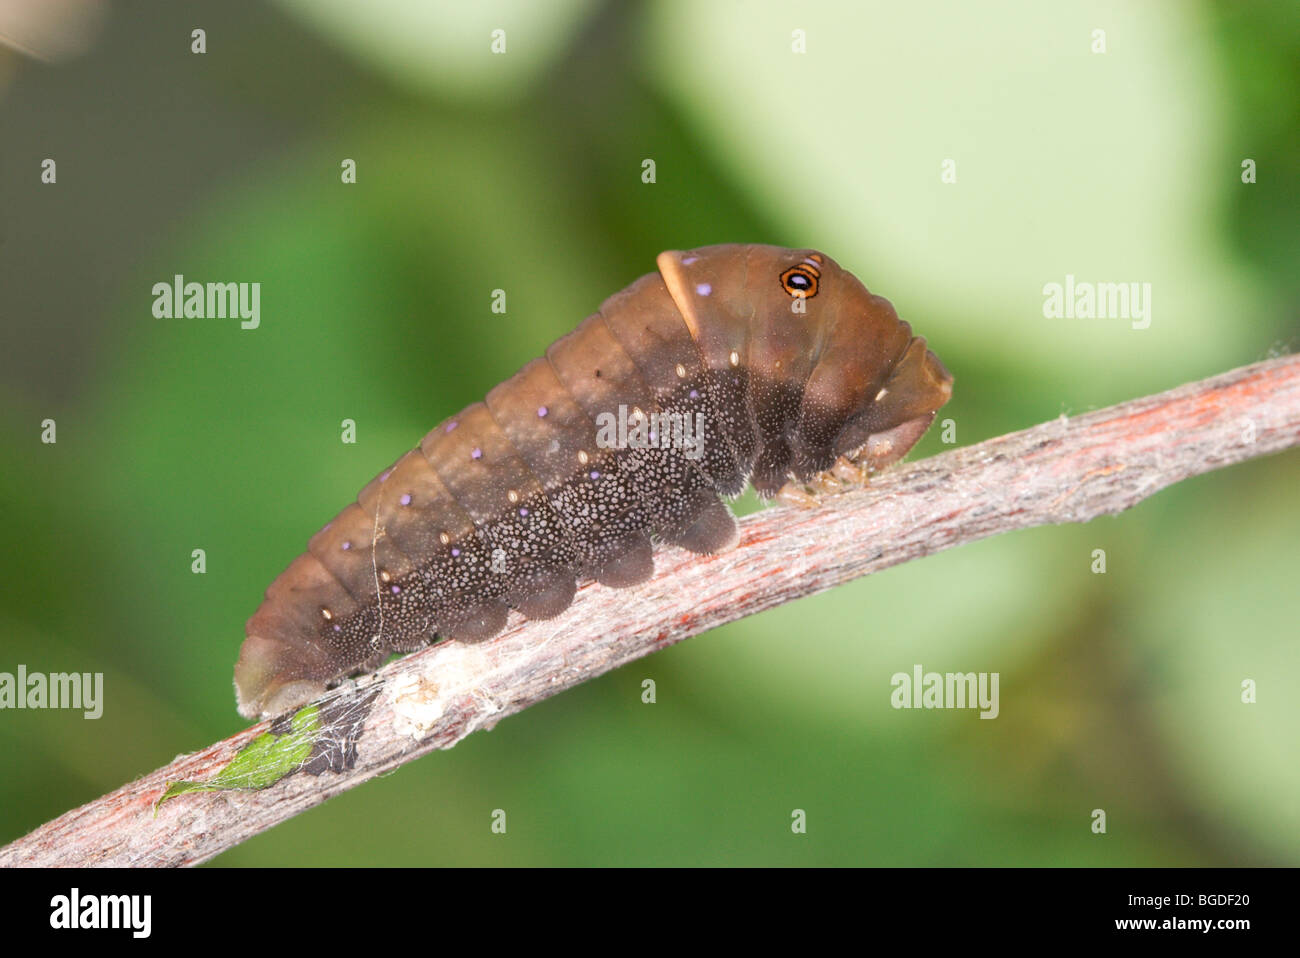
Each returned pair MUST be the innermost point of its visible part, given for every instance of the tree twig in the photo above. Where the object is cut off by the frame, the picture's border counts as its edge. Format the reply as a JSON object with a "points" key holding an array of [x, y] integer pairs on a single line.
{"points": [[1065, 470]]}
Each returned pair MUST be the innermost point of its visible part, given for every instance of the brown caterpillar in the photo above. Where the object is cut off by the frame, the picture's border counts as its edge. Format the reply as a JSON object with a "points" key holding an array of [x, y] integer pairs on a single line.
{"points": [[777, 366]]}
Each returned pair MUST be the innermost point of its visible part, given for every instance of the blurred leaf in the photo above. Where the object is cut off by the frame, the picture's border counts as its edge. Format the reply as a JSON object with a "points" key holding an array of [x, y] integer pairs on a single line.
{"points": [[446, 47]]}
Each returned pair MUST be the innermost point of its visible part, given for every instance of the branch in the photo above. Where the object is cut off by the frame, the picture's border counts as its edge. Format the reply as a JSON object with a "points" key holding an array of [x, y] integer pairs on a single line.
{"points": [[1065, 470]]}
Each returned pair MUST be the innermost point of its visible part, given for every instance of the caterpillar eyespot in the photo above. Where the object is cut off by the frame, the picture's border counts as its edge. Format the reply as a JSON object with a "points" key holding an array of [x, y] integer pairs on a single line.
{"points": [[628, 433], [800, 281]]}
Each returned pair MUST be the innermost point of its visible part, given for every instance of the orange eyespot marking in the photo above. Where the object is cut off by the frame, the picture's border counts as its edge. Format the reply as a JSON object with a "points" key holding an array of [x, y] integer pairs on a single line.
{"points": [[816, 258], [800, 281]]}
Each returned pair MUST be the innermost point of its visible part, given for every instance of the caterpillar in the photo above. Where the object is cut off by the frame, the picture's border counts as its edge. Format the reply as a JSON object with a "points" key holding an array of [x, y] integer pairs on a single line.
{"points": [[729, 365]]}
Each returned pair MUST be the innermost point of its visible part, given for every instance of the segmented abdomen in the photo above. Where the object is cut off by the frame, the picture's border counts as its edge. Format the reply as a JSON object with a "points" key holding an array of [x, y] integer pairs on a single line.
{"points": [[512, 500]]}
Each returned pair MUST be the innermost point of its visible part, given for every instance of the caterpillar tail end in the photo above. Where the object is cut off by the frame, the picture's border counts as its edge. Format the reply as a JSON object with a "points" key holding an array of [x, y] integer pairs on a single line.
{"points": [[264, 687]]}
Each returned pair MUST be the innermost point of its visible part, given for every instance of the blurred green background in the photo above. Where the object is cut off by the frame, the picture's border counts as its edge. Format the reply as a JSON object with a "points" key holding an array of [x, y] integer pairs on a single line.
{"points": [[522, 171]]}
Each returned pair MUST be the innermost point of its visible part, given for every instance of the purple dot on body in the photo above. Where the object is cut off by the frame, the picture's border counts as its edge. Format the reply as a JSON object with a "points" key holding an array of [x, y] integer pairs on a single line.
{"points": [[541, 412], [455, 553], [396, 590], [406, 499], [337, 627], [704, 289], [476, 454], [346, 546], [451, 425], [595, 474], [695, 394], [523, 511]]}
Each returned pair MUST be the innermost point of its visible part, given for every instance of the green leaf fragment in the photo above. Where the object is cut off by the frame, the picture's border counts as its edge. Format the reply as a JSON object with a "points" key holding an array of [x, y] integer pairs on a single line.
{"points": [[263, 761]]}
